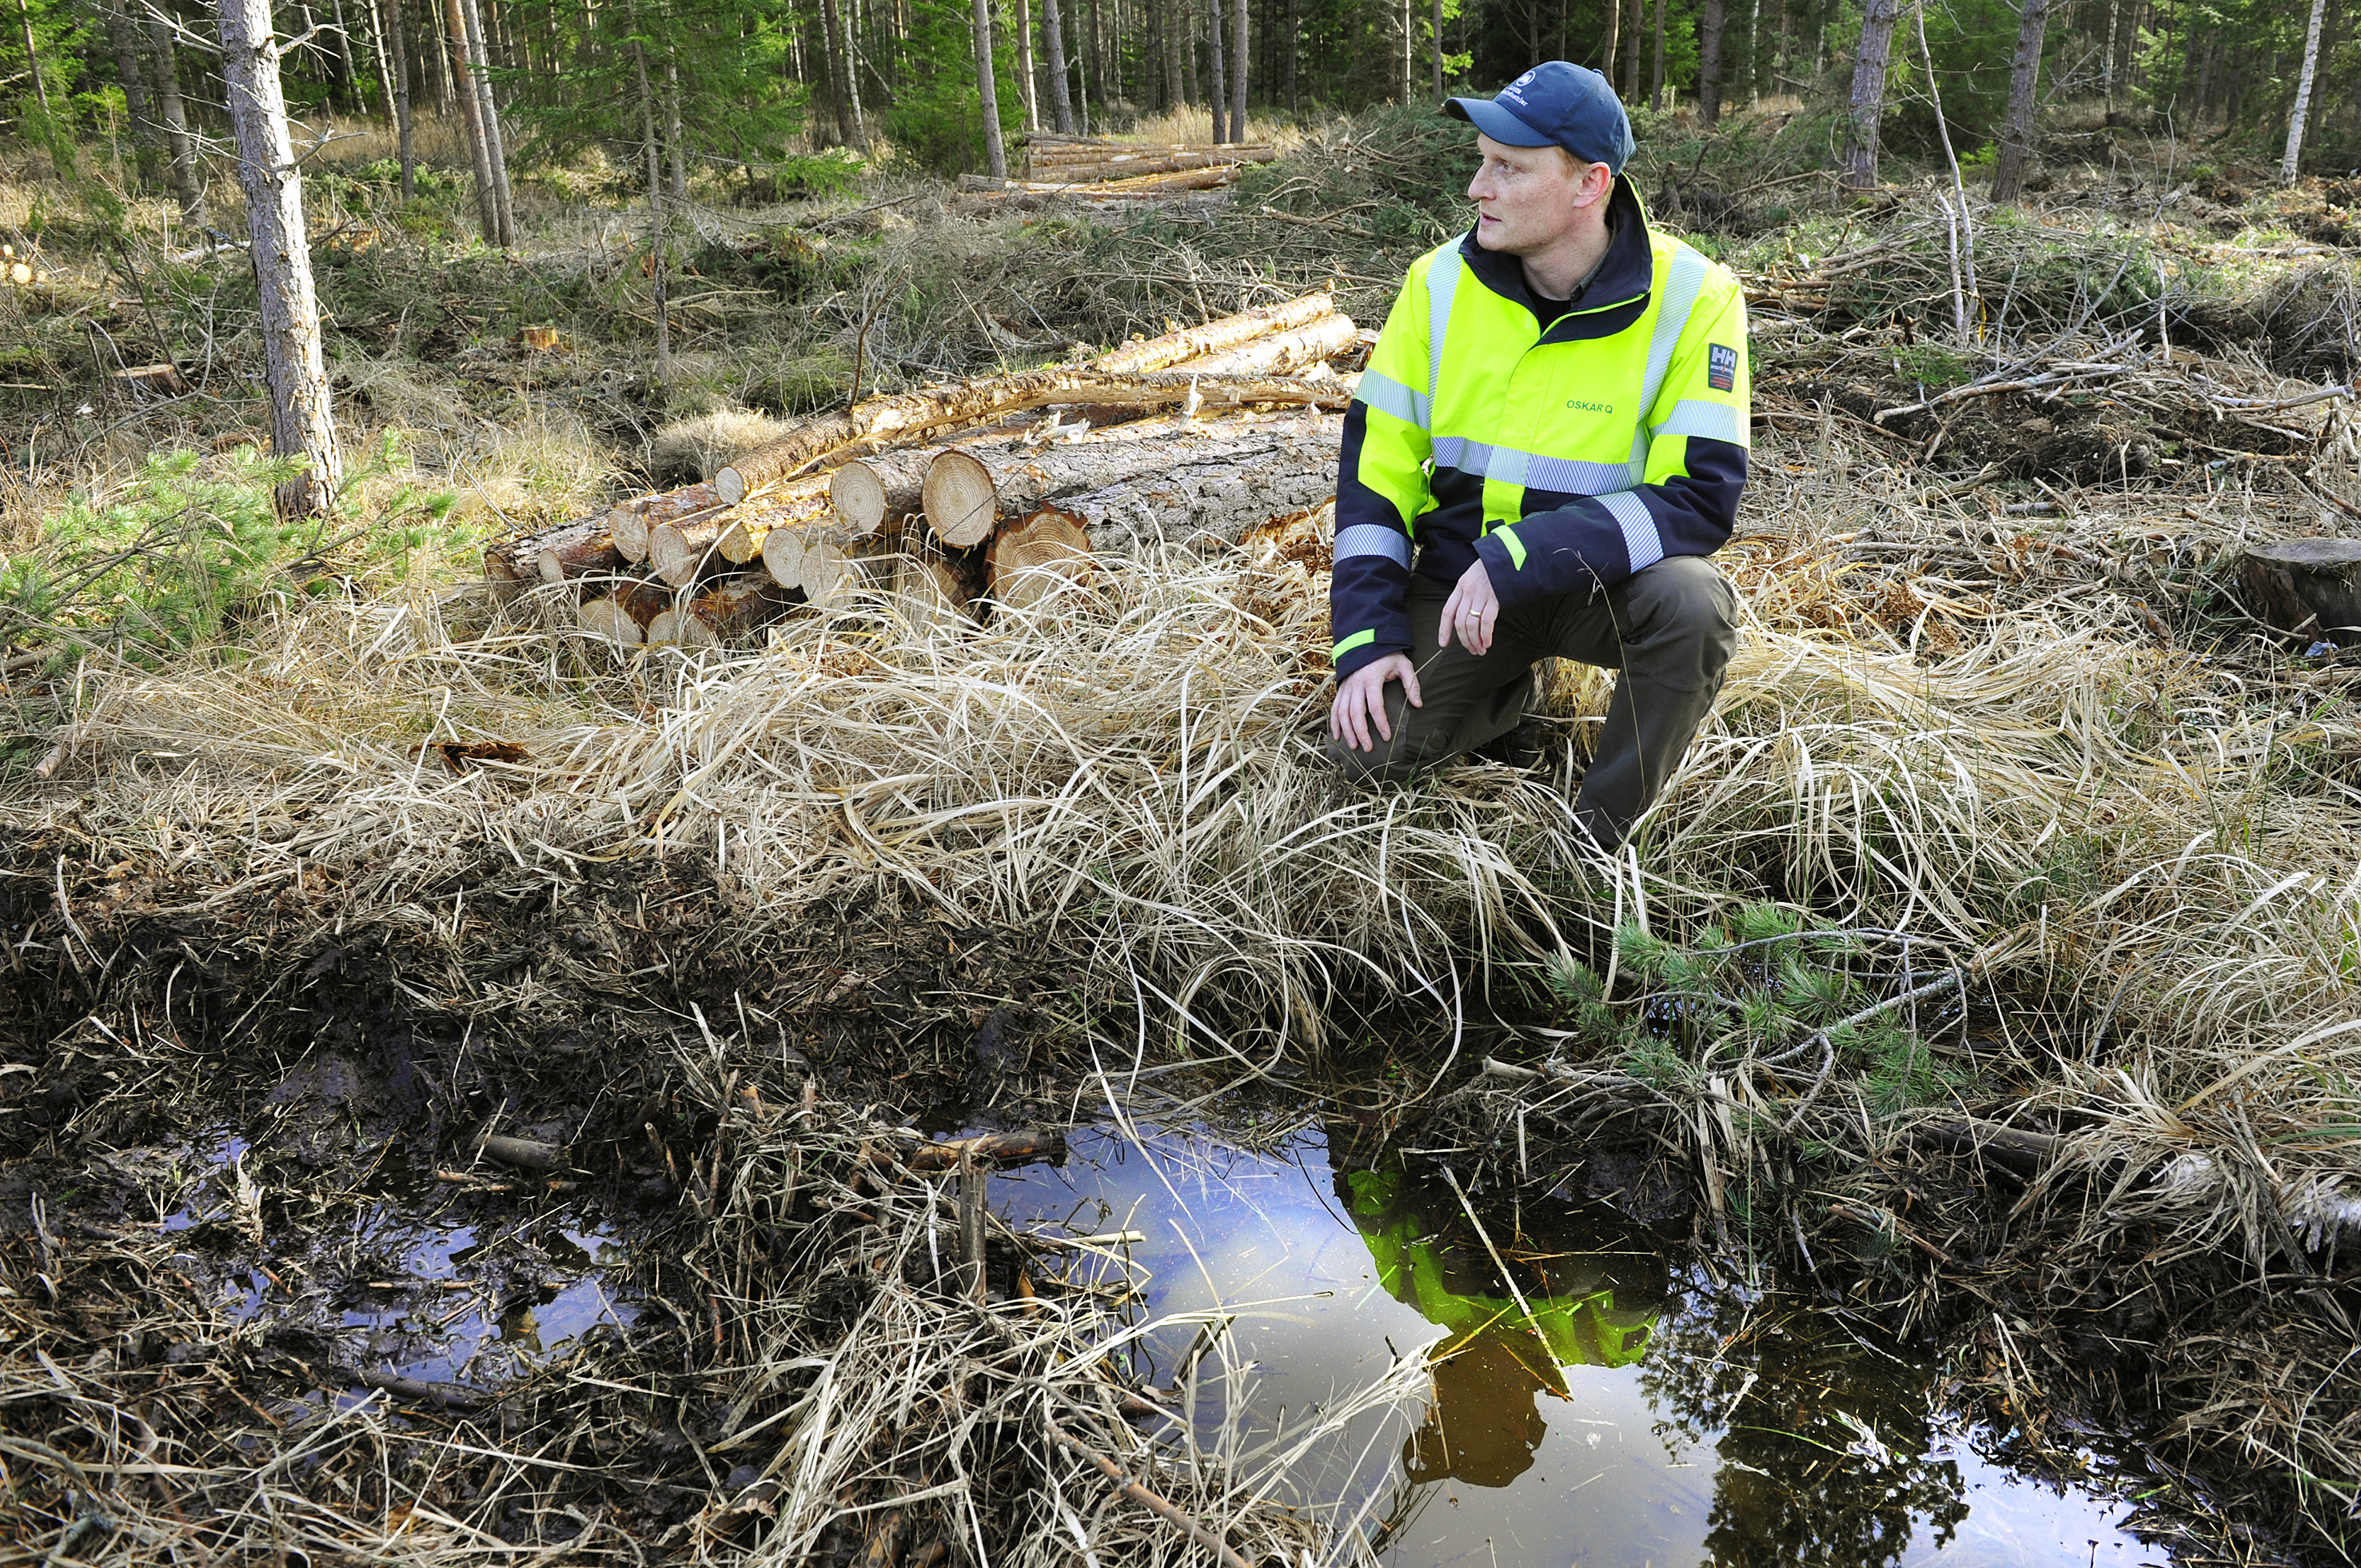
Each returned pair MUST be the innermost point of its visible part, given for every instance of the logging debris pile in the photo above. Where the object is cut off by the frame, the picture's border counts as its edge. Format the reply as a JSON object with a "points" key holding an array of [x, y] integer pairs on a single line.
{"points": [[944, 501]]}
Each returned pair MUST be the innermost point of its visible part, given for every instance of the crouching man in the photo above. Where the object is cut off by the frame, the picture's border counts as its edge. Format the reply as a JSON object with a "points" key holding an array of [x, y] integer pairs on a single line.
{"points": [[1548, 443]]}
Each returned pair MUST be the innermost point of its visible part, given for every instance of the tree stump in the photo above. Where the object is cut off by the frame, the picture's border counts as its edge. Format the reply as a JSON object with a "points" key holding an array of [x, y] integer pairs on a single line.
{"points": [[2308, 587]]}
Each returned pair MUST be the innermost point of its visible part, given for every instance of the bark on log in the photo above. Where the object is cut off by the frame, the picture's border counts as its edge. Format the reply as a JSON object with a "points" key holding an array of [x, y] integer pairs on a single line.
{"points": [[2309, 586], [625, 615], [1290, 467], [730, 611], [876, 495], [1157, 353], [902, 418], [1019, 1147], [578, 550], [524, 1154], [1031, 560], [1311, 344], [682, 551]]}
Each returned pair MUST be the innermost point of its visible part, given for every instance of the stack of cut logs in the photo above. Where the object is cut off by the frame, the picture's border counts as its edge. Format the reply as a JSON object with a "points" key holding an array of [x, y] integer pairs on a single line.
{"points": [[1107, 172], [1000, 490]]}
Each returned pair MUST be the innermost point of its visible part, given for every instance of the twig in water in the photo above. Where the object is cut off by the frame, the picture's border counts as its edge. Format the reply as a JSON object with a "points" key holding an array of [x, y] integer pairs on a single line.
{"points": [[1142, 1495]]}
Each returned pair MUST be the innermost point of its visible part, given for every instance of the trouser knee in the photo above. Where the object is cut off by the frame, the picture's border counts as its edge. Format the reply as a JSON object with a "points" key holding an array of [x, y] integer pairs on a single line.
{"points": [[1687, 617]]}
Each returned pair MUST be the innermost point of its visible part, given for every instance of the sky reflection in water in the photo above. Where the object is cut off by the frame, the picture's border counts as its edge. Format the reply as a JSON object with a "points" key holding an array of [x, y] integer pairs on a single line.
{"points": [[1657, 1418]]}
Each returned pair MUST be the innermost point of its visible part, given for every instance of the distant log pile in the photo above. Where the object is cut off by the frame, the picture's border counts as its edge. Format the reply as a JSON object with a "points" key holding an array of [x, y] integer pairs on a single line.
{"points": [[1108, 173], [946, 502]]}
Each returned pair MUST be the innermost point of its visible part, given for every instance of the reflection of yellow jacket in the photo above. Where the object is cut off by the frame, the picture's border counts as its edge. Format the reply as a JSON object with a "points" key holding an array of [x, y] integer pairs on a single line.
{"points": [[1586, 1330]]}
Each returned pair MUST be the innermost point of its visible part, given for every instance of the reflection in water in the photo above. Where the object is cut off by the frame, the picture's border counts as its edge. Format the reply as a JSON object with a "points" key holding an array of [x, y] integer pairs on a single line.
{"points": [[1644, 1413]]}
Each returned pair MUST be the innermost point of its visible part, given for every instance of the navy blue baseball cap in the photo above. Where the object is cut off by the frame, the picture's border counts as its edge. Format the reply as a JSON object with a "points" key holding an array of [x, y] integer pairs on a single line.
{"points": [[1555, 105]]}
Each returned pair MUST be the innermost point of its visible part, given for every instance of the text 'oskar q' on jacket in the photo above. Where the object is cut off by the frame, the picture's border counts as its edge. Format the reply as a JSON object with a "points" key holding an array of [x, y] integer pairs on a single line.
{"points": [[1566, 455]]}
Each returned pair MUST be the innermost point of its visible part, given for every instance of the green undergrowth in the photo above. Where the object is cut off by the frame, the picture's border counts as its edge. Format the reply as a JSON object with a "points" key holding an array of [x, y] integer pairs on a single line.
{"points": [[175, 561]]}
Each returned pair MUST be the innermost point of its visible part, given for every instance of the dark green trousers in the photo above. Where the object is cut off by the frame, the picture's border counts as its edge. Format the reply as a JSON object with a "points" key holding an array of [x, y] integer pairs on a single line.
{"points": [[1669, 630]]}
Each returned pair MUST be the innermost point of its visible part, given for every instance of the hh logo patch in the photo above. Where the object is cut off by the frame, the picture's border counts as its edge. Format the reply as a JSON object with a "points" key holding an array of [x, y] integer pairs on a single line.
{"points": [[1720, 368]]}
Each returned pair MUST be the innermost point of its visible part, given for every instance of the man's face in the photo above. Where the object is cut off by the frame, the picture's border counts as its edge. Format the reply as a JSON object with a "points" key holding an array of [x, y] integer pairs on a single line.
{"points": [[1529, 198]]}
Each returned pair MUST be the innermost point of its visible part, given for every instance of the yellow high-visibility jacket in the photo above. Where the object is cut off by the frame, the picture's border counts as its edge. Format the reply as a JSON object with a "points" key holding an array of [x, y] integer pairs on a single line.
{"points": [[1565, 444]]}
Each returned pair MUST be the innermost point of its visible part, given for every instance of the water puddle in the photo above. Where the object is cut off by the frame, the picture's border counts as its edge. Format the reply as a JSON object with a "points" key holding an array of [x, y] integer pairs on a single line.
{"points": [[1596, 1398]]}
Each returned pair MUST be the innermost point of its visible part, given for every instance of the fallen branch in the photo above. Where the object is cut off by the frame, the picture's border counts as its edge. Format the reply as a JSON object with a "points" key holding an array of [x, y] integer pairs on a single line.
{"points": [[1142, 1495]]}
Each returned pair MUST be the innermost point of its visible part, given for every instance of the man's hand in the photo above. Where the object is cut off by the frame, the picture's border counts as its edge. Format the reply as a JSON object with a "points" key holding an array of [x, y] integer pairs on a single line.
{"points": [[1361, 700], [1472, 611]]}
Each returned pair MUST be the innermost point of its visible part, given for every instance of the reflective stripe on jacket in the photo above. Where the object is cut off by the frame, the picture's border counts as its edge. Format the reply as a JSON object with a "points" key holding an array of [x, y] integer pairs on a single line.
{"points": [[1565, 454]]}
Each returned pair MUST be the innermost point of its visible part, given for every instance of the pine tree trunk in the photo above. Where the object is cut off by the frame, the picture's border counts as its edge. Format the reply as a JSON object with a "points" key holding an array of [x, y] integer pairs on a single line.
{"points": [[2302, 107], [2107, 65], [178, 143], [995, 155], [124, 39], [2023, 78], [1408, 47], [488, 121], [1868, 103], [1713, 21], [851, 83], [1435, 27], [1061, 105], [302, 422], [1026, 87], [1217, 95], [33, 59], [403, 148], [1635, 18], [1240, 45], [832, 49]]}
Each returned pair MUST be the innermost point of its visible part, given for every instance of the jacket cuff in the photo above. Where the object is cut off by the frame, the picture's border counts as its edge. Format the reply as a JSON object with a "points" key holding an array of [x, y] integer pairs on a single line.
{"points": [[1369, 653], [1510, 585]]}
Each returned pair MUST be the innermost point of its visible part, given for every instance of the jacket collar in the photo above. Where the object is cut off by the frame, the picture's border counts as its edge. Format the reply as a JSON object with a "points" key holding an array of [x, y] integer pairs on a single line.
{"points": [[1625, 275]]}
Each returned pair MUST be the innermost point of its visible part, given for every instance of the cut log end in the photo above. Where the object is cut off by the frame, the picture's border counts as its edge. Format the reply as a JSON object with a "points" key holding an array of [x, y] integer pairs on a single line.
{"points": [[604, 617], [1034, 558], [729, 486], [2310, 587], [959, 499], [859, 497]]}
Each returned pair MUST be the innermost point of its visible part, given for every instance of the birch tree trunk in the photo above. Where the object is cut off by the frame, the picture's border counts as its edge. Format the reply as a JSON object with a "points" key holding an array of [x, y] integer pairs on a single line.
{"points": [[1868, 104], [656, 236], [1053, 39], [995, 155], [1217, 92], [832, 48], [471, 119], [396, 40], [302, 422], [2302, 108], [1026, 88], [1614, 38], [1713, 22], [2023, 78], [1238, 69], [852, 88], [495, 147], [179, 145], [345, 59], [33, 58], [384, 61], [679, 144]]}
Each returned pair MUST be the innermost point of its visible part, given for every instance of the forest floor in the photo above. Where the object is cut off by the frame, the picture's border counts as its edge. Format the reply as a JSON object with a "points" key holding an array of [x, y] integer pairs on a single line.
{"points": [[288, 940]]}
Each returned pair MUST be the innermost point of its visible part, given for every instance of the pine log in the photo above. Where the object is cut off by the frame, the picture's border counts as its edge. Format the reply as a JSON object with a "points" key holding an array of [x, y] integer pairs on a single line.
{"points": [[682, 551], [1189, 342], [1212, 498], [876, 495], [960, 499], [835, 565], [1035, 557], [511, 563], [1308, 344], [881, 422], [578, 550], [751, 521], [625, 615], [1121, 165], [630, 521], [731, 611], [2309, 586]]}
